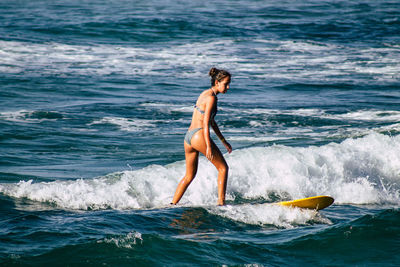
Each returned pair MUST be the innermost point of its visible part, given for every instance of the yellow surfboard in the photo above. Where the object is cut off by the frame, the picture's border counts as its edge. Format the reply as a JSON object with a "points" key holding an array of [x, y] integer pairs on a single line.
{"points": [[314, 203]]}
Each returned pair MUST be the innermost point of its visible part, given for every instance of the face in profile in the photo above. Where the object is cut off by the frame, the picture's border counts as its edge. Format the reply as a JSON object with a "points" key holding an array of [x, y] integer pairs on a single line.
{"points": [[223, 85]]}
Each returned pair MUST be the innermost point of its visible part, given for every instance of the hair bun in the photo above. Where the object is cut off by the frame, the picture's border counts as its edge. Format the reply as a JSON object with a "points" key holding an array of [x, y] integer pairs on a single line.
{"points": [[213, 72]]}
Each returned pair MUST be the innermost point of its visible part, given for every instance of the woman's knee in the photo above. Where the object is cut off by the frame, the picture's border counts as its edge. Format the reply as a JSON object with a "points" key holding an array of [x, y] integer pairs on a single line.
{"points": [[224, 168], [190, 175]]}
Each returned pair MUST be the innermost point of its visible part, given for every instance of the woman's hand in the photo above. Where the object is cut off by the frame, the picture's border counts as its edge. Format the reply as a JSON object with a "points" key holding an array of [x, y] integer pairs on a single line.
{"points": [[228, 147], [209, 153]]}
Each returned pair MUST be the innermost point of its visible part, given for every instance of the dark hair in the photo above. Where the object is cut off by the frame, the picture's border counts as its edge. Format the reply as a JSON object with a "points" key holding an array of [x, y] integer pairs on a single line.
{"points": [[218, 75]]}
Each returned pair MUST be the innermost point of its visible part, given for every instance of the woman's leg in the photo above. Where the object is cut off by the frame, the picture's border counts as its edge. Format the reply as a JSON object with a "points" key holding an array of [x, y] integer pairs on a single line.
{"points": [[218, 160], [192, 158]]}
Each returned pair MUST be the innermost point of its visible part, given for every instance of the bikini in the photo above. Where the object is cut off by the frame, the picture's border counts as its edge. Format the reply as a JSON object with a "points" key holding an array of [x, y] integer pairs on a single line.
{"points": [[190, 133]]}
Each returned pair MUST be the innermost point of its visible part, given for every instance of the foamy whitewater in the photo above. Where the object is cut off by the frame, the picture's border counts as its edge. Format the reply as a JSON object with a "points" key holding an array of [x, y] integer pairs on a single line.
{"points": [[96, 98], [356, 171], [319, 60]]}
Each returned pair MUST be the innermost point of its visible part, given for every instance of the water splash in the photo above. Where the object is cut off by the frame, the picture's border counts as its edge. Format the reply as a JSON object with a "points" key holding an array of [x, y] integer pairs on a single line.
{"points": [[356, 171]]}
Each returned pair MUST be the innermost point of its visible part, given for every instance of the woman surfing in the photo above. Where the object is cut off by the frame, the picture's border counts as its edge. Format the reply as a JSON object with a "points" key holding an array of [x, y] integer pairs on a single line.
{"points": [[197, 138]]}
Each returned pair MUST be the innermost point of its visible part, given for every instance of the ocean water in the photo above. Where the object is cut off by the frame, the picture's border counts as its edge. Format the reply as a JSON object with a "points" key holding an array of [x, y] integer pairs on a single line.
{"points": [[96, 97]]}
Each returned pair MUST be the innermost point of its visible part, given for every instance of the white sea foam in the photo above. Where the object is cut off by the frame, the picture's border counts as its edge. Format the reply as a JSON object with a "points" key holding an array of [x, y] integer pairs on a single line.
{"points": [[261, 120], [129, 240], [357, 171], [298, 46], [361, 115], [25, 116], [297, 61], [369, 115], [16, 116], [269, 214], [258, 138], [126, 124]]}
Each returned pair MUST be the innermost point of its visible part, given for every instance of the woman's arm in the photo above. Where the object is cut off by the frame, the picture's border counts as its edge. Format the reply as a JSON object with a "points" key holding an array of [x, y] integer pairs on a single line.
{"points": [[220, 136]]}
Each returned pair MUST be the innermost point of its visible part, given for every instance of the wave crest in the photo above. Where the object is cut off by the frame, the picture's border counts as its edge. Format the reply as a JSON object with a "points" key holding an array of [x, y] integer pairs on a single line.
{"points": [[356, 171]]}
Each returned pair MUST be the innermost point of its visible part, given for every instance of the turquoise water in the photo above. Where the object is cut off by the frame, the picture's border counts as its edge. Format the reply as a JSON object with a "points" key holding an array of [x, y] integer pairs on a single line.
{"points": [[96, 97]]}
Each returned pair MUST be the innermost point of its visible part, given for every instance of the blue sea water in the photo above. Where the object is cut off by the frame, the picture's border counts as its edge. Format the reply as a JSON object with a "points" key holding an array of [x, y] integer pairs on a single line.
{"points": [[96, 97]]}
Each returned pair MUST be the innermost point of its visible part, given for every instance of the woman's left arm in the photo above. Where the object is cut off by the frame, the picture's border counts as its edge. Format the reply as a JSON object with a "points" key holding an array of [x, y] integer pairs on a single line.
{"points": [[220, 136]]}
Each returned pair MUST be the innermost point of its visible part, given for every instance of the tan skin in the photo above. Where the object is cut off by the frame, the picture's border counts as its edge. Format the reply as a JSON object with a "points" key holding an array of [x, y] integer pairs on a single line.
{"points": [[202, 142]]}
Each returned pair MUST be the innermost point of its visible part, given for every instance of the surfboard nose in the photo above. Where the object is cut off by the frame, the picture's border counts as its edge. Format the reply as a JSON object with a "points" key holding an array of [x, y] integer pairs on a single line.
{"points": [[315, 203]]}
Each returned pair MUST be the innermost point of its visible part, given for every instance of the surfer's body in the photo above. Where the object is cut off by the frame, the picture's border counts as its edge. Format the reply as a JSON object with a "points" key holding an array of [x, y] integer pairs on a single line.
{"points": [[198, 138]]}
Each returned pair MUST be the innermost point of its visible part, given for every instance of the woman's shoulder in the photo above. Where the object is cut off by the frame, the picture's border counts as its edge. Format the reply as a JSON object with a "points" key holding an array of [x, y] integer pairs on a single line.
{"points": [[210, 98], [207, 96]]}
